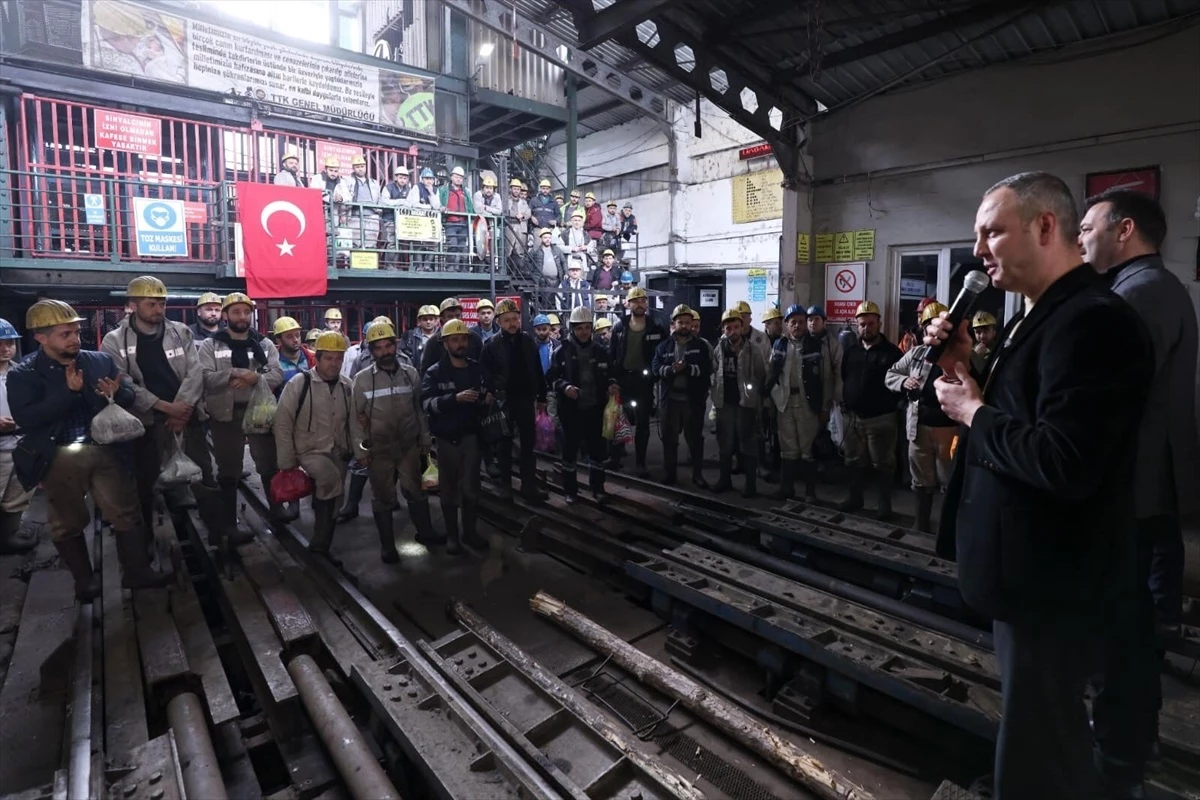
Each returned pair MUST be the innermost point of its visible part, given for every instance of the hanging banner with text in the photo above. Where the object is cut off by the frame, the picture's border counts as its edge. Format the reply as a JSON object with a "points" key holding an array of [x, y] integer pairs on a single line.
{"points": [[845, 288], [144, 42], [758, 196]]}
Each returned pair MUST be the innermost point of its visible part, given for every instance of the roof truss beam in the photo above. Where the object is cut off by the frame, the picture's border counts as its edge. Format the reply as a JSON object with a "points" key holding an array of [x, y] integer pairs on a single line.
{"points": [[618, 18]]}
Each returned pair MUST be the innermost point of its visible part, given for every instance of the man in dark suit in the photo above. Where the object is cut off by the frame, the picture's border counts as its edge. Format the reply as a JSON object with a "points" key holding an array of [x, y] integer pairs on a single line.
{"points": [[1120, 237], [1039, 506]]}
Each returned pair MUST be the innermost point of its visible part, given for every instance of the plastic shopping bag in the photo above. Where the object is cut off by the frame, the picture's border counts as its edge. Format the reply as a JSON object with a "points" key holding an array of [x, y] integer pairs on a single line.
{"points": [[543, 428], [289, 485], [837, 425], [260, 411], [114, 424], [429, 478], [612, 413], [624, 430], [177, 468]]}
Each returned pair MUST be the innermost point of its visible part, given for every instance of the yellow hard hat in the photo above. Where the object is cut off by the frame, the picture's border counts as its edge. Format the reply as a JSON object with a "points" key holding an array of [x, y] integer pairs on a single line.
{"points": [[380, 330], [485, 303], [544, 183], [427, 311], [558, 197], [382, 318], [333, 313], [732, 313], [147, 286], [507, 307], [208, 298], [867, 307], [742, 307], [681, 311], [574, 193], [290, 153], [982, 319], [931, 310], [488, 180], [589, 196], [545, 232], [772, 313], [354, 162], [579, 213], [611, 204], [515, 182], [48, 313], [455, 327], [283, 325], [554, 320], [635, 293], [695, 314], [448, 303], [607, 253], [581, 316], [331, 342], [603, 324], [234, 298], [330, 161], [313, 335]]}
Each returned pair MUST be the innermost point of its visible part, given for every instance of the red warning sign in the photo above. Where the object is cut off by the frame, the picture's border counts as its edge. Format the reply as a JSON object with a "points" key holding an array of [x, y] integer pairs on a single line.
{"points": [[845, 288]]}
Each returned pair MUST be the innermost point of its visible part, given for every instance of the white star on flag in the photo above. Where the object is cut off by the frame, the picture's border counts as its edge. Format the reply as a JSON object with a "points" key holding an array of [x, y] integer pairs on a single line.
{"points": [[285, 249]]}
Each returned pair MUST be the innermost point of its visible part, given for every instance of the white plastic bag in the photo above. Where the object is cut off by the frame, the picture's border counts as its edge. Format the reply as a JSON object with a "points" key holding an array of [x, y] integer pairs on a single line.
{"points": [[837, 429], [260, 411], [177, 468], [114, 424]]}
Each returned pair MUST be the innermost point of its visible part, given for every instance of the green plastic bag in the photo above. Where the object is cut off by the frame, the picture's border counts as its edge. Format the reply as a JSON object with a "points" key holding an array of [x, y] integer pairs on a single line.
{"points": [[612, 416], [260, 411], [429, 478]]}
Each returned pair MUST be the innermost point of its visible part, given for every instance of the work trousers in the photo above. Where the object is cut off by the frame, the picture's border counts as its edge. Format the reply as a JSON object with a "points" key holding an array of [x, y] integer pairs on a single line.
{"points": [[929, 457], [520, 422], [458, 471], [870, 441], [328, 473], [456, 246], [1166, 569], [156, 444], [637, 398], [14, 499], [1044, 747], [686, 417], [1125, 709], [82, 469], [229, 449], [769, 446], [798, 428], [584, 428], [391, 463], [738, 431]]}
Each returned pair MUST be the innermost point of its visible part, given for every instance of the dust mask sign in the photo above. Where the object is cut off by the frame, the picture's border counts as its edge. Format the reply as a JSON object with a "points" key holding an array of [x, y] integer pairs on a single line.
{"points": [[159, 225]]}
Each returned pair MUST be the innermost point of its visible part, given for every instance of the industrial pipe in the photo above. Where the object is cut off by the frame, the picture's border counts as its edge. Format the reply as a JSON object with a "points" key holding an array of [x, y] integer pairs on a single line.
{"points": [[355, 762], [197, 759]]}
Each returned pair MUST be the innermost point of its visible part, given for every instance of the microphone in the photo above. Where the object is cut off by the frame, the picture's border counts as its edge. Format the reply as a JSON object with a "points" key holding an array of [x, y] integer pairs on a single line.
{"points": [[973, 285]]}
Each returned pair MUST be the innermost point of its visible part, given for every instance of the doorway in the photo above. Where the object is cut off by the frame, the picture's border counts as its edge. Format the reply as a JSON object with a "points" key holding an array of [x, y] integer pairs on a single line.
{"points": [[936, 271]]}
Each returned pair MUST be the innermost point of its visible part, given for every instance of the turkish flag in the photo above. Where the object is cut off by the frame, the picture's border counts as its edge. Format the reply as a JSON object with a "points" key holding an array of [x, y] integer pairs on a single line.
{"points": [[283, 240]]}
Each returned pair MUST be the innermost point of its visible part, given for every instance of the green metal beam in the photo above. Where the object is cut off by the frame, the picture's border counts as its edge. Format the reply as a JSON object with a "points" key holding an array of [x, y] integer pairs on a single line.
{"points": [[572, 132]]}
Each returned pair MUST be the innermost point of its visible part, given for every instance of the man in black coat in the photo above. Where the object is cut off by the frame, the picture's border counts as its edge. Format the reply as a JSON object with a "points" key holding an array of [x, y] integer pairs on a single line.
{"points": [[1039, 505], [511, 358], [435, 348], [683, 366], [634, 339]]}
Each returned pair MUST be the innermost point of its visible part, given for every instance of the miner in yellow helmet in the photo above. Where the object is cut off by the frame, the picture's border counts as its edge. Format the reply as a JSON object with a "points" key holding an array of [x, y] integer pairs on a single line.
{"points": [[415, 339], [160, 356], [927, 428], [334, 321], [516, 226], [486, 200], [683, 367], [869, 411], [450, 310], [633, 342], [983, 325], [235, 362], [208, 317], [312, 432], [294, 357], [739, 384], [54, 396], [456, 398]]}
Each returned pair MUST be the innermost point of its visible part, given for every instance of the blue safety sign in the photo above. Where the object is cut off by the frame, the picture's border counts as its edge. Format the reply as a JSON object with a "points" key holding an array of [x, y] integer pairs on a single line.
{"points": [[159, 225], [93, 207]]}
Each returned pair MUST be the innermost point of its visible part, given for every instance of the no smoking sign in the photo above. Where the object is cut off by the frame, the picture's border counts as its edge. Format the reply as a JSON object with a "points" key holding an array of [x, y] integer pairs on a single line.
{"points": [[845, 288]]}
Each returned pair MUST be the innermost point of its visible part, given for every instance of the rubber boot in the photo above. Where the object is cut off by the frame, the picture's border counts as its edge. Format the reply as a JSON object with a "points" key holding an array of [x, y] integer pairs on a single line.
{"points": [[855, 501], [750, 487], [596, 484], [237, 534], [570, 479], [73, 552], [884, 483], [808, 469], [470, 525], [924, 510], [324, 512], [504, 486], [418, 512], [14, 540], [387, 536], [353, 497], [136, 572], [787, 479], [670, 466], [724, 484], [765, 462], [450, 517]]}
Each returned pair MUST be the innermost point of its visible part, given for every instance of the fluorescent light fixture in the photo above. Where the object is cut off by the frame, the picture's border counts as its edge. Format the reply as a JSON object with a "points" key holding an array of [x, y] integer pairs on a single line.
{"points": [[486, 49]]}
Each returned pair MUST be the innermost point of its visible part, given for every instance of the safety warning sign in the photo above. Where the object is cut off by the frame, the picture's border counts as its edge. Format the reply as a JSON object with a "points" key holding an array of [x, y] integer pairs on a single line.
{"points": [[845, 288]]}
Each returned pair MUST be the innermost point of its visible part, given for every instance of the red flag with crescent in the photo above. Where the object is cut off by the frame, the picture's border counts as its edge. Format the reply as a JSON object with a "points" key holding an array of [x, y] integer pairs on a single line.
{"points": [[283, 240]]}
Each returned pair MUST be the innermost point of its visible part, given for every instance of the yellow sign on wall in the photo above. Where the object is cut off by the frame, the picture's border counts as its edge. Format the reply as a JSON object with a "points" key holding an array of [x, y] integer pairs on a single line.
{"points": [[843, 246], [846, 246], [758, 196], [364, 259], [418, 225], [802, 248], [864, 245]]}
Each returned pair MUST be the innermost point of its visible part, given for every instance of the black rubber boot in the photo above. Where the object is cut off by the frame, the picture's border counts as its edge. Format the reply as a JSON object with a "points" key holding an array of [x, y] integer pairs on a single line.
{"points": [[787, 479], [14, 540], [670, 466], [136, 572], [422, 520], [531, 488], [750, 487], [808, 469], [855, 501], [386, 528], [924, 510], [570, 480], [470, 528], [73, 553], [354, 495], [596, 484], [237, 534], [450, 517], [724, 484], [324, 512], [884, 483]]}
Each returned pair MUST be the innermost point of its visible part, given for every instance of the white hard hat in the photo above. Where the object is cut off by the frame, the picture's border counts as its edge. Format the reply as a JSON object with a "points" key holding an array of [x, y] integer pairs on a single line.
{"points": [[458, 171]]}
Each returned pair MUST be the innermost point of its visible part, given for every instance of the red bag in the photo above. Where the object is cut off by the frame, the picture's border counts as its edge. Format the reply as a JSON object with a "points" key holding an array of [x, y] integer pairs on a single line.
{"points": [[289, 485]]}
